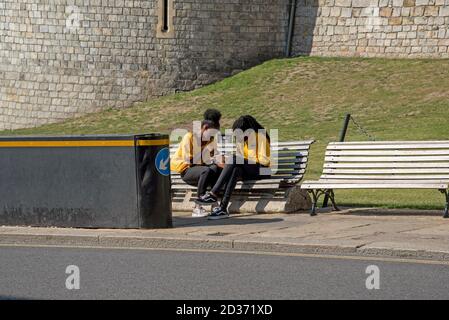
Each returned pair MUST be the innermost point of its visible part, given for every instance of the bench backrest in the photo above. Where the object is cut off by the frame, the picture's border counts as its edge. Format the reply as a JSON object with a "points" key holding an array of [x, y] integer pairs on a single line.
{"points": [[290, 158], [387, 160]]}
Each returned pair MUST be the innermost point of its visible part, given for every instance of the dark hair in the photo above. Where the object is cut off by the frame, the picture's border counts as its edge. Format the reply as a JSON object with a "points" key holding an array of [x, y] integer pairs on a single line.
{"points": [[210, 124], [213, 115], [248, 122]]}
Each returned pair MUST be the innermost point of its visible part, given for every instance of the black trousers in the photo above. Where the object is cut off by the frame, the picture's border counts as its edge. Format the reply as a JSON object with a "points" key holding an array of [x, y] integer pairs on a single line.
{"points": [[201, 177], [230, 175]]}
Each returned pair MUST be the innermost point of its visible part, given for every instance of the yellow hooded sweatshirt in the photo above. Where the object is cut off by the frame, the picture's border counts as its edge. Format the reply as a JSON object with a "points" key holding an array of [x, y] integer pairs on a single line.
{"points": [[183, 158], [256, 149]]}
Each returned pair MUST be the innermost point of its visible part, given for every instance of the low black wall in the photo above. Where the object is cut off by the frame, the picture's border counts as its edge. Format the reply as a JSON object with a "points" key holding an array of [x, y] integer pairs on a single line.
{"points": [[85, 181]]}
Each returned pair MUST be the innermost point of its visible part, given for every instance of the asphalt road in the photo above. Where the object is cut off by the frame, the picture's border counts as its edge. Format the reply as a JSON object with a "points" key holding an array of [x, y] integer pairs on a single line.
{"points": [[40, 272]]}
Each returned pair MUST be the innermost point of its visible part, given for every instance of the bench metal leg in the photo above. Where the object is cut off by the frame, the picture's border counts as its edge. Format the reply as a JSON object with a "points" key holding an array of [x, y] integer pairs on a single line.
{"points": [[325, 201], [332, 197], [316, 194], [446, 208]]}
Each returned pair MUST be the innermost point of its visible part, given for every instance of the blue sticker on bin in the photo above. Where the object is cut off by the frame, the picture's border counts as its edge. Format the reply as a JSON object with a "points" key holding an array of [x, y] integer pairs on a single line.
{"points": [[162, 162]]}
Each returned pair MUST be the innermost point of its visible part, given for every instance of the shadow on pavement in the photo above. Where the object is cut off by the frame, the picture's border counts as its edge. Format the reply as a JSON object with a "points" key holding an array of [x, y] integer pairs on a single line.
{"points": [[12, 298], [389, 212], [233, 220]]}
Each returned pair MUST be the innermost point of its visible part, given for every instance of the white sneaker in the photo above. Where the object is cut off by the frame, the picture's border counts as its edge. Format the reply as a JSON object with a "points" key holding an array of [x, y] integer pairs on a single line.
{"points": [[199, 212]]}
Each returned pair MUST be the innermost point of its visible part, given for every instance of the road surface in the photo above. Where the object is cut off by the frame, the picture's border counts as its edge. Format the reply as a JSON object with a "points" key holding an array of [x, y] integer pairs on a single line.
{"points": [[40, 272]]}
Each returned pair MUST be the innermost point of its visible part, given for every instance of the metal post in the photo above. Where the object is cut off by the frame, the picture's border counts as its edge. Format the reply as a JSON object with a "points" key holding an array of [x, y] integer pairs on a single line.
{"points": [[345, 127], [446, 208], [343, 131], [291, 24]]}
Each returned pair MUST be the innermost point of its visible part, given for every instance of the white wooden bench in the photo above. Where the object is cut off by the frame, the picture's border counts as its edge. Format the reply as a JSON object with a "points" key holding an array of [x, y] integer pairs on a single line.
{"points": [[279, 192], [382, 165]]}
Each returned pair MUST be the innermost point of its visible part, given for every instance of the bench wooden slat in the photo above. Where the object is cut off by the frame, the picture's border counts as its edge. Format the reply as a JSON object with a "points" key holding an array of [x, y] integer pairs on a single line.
{"points": [[426, 142], [279, 174], [408, 185], [278, 149], [239, 186], [305, 146], [268, 181], [258, 184], [388, 165], [278, 182], [281, 153], [388, 146], [273, 147], [288, 160], [290, 164], [383, 181], [306, 143], [299, 165], [385, 171], [412, 159], [271, 179], [294, 169], [441, 152], [296, 166], [296, 145], [384, 177], [289, 155]]}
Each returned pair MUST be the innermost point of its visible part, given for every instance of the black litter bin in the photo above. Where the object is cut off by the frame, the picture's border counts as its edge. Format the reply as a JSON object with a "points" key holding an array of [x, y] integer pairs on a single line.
{"points": [[102, 181]]}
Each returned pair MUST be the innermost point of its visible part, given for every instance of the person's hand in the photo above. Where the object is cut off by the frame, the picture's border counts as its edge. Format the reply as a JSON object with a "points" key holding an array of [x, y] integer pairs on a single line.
{"points": [[219, 161], [220, 165]]}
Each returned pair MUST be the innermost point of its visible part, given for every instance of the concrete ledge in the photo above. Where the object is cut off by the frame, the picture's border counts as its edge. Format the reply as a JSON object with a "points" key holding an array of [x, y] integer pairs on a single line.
{"points": [[164, 243], [288, 200], [50, 240], [404, 253]]}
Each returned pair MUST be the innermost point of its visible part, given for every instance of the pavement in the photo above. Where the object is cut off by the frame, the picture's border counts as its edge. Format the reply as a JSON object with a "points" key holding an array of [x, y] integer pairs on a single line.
{"points": [[409, 234]]}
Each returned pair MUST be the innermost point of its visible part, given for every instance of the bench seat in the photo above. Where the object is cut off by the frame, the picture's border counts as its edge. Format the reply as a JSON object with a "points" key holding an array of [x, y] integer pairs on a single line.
{"points": [[382, 165], [375, 184], [278, 192]]}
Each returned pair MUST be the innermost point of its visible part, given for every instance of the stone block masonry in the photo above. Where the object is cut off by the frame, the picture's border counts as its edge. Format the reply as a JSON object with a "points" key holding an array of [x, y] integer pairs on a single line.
{"points": [[373, 28], [65, 58]]}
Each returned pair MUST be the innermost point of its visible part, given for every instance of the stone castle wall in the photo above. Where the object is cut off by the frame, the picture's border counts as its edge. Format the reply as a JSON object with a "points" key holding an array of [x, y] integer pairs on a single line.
{"points": [[65, 58], [373, 28], [59, 59]]}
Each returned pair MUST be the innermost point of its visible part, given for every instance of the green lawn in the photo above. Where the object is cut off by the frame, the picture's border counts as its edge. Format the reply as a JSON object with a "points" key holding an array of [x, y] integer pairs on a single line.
{"points": [[307, 98]]}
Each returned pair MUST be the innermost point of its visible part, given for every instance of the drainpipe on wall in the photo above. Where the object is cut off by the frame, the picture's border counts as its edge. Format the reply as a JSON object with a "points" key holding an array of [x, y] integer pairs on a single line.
{"points": [[291, 24]]}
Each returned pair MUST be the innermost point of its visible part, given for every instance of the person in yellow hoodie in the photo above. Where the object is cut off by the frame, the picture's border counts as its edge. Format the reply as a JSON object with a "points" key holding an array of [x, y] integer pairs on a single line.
{"points": [[251, 162], [194, 158]]}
